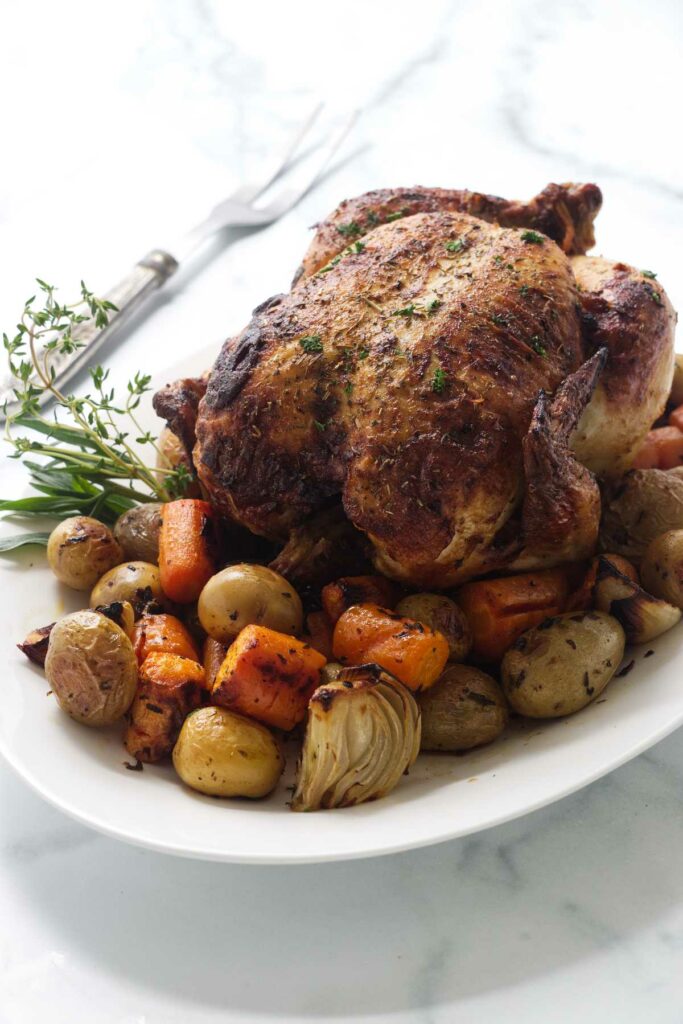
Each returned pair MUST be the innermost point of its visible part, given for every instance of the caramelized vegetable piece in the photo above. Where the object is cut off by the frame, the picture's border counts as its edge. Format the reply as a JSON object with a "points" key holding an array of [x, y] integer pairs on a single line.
{"points": [[411, 651], [162, 633], [36, 643], [214, 654], [169, 687], [362, 736], [501, 610], [269, 676], [187, 542], [350, 590], [661, 449], [320, 633], [584, 596]]}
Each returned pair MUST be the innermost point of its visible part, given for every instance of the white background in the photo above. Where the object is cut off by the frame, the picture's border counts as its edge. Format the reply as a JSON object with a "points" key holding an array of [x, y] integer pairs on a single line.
{"points": [[119, 125]]}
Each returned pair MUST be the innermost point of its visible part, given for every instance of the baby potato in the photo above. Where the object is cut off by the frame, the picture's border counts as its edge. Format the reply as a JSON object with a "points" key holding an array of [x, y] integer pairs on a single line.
{"points": [[248, 595], [80, 550], [171, 450], [91, 667], [563, 664], [137, 582], [137, 531], [465, 708], [662, 567], [443, 615], [222, 754]]}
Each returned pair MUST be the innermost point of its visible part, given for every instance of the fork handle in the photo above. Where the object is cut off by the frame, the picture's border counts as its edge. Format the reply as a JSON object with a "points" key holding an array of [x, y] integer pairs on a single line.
{"points": [[146, 277]]}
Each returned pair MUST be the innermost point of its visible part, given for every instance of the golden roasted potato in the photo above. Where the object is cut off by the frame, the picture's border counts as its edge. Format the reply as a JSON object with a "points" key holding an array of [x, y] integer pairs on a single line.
{"points": [[171, 450], [222, 754], [248, 595], [137, 531], [563, 664], [169, 687], [137, 582], [444, 616], [638, 508], [80, 550], [465, 708], [662, 567], [91, 667]]}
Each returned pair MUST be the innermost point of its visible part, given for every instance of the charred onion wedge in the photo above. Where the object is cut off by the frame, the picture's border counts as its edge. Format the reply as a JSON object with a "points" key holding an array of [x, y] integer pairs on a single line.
{"points": [[363, 733], [642, 616]]}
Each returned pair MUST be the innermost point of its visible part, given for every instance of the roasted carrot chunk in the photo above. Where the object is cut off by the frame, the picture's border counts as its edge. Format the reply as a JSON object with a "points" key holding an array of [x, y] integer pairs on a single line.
{"points": [[169, 687], [269, 676], [411, 651], [319, 634], [350, 590], [162, 633], [186, 548], [661, 449], [500, 610], [213, 654]]}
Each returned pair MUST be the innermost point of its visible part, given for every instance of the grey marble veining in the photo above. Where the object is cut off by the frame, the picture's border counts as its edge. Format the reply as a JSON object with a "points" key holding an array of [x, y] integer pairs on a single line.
{"points": [[574, 913]]}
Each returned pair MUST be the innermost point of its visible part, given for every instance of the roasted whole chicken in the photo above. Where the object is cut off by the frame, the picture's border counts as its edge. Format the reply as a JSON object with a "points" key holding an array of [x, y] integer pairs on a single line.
{"points": [[451, 370]]}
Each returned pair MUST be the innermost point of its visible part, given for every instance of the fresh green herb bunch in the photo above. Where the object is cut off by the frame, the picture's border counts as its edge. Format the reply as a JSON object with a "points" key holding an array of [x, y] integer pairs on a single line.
{"points": [[92, 467]]}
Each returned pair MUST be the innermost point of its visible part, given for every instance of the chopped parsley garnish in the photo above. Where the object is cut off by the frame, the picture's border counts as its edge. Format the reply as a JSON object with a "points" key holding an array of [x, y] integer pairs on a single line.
{"points": [[654, 295], [456, 245], [433, 305], [499, 320], [395, 216], [537, 345], [319, 426], [311, 343], [532, 237], [363, 353], [372, 219], [498, 260], [348, 387], [355, 247], [649, 273], [439, 380], [524, 290], [406, 311], [350, 230]]}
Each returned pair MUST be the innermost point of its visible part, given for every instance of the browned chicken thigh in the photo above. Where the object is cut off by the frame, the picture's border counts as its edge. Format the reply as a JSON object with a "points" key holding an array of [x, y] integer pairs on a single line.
{"points": [[410, 373]]}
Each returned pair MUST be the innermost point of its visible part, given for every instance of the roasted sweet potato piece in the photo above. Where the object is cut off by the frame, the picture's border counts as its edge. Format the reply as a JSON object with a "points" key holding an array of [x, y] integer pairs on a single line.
{"points": [[269, 676], [350, 590], [661, 449], [411, 651], [162, 633], [500, 610], [169, 687], [320, 633]]}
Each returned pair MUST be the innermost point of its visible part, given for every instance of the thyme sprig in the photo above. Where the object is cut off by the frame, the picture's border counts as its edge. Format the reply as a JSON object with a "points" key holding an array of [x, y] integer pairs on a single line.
{"points": [[92, 466]]}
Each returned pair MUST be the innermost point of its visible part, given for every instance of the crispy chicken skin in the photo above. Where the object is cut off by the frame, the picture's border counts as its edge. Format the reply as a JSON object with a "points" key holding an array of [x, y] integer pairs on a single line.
{"points": [[405, 379], [564, 213], [430, 370]]}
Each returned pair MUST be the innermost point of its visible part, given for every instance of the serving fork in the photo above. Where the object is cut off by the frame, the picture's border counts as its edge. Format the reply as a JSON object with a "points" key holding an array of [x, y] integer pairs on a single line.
{"points": [[238, 210]]}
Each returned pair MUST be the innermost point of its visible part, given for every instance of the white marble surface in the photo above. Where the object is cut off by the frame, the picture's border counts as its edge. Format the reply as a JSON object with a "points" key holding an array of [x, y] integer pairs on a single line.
{"points": [[118, 127]]}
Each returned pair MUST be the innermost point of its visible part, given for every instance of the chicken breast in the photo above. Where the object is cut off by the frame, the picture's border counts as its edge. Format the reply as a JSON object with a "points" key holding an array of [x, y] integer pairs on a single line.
{"points": [[403, 378]]}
